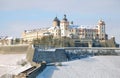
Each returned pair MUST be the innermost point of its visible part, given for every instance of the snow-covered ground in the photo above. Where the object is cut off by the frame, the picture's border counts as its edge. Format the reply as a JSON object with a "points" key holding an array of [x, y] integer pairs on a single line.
{"points": [[92, 67], [9, 65]]}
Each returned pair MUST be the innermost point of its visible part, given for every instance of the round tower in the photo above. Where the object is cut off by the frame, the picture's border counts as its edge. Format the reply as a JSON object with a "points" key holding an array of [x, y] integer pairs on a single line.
{"points": [[56, 22]]}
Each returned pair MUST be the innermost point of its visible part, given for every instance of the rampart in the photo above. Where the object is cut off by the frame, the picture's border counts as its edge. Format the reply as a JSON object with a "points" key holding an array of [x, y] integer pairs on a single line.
{"points": [[49, 56], [13, 49]]}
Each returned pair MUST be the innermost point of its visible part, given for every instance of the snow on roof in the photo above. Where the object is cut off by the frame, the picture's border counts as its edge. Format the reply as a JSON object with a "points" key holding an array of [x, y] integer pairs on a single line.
{"points": [[73, 26], [36, 30], [9, 38], [53, 28], [87, 26], [6, 37], [56, 27], [81, 26], [46, 33]]}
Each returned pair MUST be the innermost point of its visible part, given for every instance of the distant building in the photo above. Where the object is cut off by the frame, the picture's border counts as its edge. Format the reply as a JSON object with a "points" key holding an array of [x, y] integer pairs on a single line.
{"points": [[29, 35], [64, 28], [5, 40]]}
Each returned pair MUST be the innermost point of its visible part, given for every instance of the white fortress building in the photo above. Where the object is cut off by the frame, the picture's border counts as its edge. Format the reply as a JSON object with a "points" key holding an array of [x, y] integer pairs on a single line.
{"points": [[64, 28]]}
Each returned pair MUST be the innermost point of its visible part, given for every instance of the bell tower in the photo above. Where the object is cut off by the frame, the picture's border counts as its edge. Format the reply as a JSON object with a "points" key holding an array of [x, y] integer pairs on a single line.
{"points": [[64, 26], [101, 30]]}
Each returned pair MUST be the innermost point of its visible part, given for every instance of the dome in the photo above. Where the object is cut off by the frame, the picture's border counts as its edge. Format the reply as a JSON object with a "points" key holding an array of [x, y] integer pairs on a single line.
{"points": [[56, 19], [64, 19], [56, 22]]}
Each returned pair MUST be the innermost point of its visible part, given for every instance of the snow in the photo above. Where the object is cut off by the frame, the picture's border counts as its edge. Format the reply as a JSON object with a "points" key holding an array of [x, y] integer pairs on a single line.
{"points": [[82, 27], [8, 64], [92, 67], [20, 69]]}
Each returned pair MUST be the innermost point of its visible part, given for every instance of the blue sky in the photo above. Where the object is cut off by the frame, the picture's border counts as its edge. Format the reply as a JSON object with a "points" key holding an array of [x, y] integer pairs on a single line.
{"points": [[19, 15]]}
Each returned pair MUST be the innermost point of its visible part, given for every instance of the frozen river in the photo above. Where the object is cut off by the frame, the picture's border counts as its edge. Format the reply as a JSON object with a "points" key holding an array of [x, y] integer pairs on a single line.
{"points": [[92, 67]]}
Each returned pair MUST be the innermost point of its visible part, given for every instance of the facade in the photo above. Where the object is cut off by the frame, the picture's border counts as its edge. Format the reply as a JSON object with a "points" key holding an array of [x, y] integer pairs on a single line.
{"points": [[29, 35], [64, 28]]}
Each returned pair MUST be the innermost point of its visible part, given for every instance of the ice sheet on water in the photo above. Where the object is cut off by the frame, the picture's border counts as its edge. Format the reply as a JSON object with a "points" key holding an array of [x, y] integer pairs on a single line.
{"points": [[94, 67]]}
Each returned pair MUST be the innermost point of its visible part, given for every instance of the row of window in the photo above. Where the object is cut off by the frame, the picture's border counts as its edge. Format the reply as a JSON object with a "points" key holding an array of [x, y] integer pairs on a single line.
{"points": [[82, 34], [57, 33], [84, 30]]}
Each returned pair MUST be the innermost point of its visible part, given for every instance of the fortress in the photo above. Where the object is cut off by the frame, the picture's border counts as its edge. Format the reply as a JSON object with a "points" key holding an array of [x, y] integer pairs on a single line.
{"points": [[64, 28]]}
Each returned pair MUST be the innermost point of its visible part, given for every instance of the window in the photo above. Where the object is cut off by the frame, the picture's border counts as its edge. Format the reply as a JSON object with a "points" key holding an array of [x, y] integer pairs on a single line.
{"points": [[102, 30]]}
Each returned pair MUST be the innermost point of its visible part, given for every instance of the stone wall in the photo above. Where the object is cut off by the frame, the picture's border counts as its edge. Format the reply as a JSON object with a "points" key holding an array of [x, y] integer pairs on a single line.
{"points": [[30, 53], [13, 49], [108, 43], [49, 56]]}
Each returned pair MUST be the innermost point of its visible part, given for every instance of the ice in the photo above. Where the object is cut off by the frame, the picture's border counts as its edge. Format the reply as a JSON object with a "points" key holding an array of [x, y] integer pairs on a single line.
{"points": [[92, 67]]}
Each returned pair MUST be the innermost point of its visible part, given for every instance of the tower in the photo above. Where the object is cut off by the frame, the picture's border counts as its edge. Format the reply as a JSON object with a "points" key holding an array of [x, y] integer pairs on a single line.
{"points": [[64, 26], [101, 30], [56, 22]]}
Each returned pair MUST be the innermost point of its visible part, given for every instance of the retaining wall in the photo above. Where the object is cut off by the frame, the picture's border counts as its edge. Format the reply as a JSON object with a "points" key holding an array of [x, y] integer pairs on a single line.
{"points": [[49, 56], [13, 49]]}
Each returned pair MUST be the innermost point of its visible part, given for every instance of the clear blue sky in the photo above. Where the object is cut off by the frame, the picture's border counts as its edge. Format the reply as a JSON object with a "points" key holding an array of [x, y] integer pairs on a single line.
{"points": [[19, 15]]}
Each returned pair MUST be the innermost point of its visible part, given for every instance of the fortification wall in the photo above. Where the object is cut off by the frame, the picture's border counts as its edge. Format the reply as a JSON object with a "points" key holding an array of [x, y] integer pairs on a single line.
{"points": [[49, 56], [108, 43], [30, 53], [13, 49]]}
